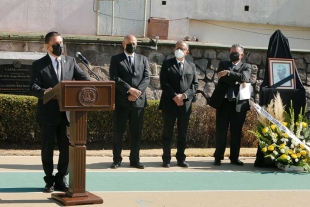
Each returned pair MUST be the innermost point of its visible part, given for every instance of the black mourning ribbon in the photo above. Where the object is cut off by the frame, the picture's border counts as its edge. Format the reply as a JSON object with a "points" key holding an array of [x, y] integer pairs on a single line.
{"points": [[288, 78]]}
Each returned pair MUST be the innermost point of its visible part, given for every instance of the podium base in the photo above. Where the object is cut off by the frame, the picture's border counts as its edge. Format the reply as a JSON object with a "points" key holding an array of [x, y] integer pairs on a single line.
{"points": [[69, 201]]}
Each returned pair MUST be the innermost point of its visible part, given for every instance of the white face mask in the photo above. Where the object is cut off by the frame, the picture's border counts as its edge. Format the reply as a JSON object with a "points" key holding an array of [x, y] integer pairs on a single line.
{"points": [[179, 54]]}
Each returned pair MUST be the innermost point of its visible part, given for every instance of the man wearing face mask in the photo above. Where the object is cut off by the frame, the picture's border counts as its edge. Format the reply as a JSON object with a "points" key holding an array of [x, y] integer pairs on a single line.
{"points": [[130, 71], [179, 83], [230, 111], [46, 73]]}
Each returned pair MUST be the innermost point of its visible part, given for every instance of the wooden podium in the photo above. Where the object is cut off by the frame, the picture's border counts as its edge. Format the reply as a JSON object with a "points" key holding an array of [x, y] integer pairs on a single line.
{"points": [[78, 97]]}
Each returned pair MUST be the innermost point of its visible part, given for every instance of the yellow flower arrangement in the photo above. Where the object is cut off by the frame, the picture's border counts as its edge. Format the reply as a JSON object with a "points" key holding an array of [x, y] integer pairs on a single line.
{"points": [[276, 144], [265, 130]]}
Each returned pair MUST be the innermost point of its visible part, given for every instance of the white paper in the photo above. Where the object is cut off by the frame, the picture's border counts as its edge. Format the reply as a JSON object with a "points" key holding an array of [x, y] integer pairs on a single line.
{"points": [[245, 93]]}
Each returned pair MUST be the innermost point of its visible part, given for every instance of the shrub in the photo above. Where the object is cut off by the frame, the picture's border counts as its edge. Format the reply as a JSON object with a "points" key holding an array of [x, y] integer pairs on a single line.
{"points": [[18, 125]]}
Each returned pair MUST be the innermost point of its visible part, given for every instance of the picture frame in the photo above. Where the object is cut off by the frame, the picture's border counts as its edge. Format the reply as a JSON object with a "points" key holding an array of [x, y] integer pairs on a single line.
{"points": [[279, 69]]}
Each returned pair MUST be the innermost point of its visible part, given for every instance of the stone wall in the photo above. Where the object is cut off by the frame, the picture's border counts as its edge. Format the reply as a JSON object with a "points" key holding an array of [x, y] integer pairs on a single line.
{"points": [[206, 59]]}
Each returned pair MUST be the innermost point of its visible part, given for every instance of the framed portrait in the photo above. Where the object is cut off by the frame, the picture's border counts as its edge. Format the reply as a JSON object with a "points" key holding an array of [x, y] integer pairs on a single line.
{"points": [[282, 70]]}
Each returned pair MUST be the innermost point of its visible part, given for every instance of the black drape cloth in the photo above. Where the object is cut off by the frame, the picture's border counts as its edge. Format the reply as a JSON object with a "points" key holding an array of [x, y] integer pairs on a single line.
{"points": [[279, 48]]}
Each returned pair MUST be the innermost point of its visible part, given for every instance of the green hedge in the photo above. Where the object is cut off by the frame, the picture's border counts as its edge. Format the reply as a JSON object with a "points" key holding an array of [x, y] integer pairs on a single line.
{"points": [[18, 125]]}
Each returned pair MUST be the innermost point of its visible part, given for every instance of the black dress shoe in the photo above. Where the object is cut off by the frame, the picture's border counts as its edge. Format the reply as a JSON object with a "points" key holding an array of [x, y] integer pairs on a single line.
{"points": [[62, 187], [115, 165], [182, 164], [217, 162], [48, 188], [137, 165], [236, 162], [166, 164]]}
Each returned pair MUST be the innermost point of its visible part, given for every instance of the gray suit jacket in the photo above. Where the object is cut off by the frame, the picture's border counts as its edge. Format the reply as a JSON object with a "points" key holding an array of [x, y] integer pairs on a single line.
{"points": [[172, 83], [125, 78]]}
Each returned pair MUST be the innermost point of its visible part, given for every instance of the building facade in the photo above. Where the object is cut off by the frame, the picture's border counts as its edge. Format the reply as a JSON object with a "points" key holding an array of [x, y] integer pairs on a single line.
{"points": [[249, 22]]}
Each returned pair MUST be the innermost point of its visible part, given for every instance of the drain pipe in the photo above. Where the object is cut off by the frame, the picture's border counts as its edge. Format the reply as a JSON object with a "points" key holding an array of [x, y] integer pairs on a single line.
{"points": [[112, 24], [144, 26]]}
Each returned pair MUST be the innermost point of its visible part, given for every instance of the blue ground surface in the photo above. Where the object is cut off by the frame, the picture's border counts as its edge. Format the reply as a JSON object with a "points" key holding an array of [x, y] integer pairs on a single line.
{"points": [[165, 181]]}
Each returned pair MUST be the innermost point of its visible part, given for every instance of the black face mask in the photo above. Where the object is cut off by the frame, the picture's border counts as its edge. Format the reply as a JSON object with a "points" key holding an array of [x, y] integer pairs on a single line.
{"points": [[234, 56], [130, 48], [57, 49]]}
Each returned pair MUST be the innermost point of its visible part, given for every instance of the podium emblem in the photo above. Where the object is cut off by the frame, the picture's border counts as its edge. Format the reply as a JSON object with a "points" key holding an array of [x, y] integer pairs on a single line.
{"points": [[88, 96]]}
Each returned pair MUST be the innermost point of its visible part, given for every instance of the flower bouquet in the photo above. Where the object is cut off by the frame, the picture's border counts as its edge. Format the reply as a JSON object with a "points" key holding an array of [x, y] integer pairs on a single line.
{"points": [[287, 153]]}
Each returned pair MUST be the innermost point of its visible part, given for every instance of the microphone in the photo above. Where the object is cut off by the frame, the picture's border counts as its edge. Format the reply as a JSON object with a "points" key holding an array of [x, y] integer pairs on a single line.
{"points": [[86, 63], [82, 58]]}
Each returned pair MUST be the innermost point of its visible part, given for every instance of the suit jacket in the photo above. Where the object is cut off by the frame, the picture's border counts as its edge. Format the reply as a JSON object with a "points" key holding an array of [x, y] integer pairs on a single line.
{"points": [[172, 83], [44, 77], [125, 78], [242, 73]]}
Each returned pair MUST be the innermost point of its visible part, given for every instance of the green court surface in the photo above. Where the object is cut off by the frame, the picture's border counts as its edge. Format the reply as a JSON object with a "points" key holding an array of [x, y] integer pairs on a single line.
{"points": [[14, 182]]}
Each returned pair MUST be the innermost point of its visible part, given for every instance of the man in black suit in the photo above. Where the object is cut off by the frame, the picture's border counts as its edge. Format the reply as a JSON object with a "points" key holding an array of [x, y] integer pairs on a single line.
{"points": [[179, 83], [130, 71], [230, 110], [46, 73]]}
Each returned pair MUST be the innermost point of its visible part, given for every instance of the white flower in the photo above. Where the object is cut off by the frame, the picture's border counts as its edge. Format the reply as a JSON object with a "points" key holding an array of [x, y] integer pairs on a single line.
{"points": [[292, 146], [272, 157], [303, 141], [301, 137], [288, 157], [282, 151], [287, 148], [296, 160], [293, 142], [275, 152], [274, 140]]}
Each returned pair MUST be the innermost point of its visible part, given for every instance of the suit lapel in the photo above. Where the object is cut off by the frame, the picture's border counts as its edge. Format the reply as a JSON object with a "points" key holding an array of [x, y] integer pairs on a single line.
{"points": [[238, 67], [64, 68], [51, 67], [175, 65], [186, 68], [136, 62]]}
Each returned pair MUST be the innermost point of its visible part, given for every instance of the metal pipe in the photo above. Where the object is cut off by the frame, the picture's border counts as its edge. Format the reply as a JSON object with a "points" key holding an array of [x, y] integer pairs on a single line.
{"points": [[144, 26], [97, 8], [112, 24]]}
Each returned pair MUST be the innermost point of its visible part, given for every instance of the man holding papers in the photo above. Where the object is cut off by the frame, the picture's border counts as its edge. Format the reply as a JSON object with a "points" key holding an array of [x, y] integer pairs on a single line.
{"points": [[230, 108]]}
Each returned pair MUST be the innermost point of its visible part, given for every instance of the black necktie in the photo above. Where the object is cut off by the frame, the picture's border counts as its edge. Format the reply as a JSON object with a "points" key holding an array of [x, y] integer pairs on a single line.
{"points": [[131, 65], [181, 68]]}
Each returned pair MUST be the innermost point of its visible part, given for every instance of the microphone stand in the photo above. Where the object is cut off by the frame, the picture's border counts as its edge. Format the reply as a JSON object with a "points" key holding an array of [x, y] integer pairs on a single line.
{"points": [[92, 72]]}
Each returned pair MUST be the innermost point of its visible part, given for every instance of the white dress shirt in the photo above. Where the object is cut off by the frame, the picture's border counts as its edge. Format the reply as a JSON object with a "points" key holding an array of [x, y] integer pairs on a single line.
{"points": [[132, 56], [54, 62]]}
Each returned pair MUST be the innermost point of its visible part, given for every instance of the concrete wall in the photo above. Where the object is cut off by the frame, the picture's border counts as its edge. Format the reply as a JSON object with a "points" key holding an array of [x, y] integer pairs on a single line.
{"points": [[226, 22], [278, 12], [252, 35], [41, 16], [213, 21]]}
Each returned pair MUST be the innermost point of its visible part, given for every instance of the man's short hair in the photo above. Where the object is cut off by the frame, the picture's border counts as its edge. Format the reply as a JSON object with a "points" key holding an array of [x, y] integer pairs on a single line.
{"points": [[182, 42], [49, 35], [237, 45]]}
